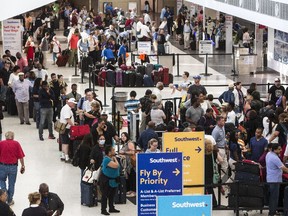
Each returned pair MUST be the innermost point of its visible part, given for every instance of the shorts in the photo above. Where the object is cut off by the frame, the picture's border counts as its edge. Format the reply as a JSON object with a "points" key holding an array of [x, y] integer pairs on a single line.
{"points": [[64, 138]]}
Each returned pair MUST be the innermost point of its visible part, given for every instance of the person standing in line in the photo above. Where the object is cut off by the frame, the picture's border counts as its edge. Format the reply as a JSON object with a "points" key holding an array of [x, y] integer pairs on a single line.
{"points": [[21, 89], [219, 135], [122, 53], [186, 32], [162, 14], [44, 47], [56, 49], [160, 42], [10, 152], [46, 100], [66, 117], [274, 169]]}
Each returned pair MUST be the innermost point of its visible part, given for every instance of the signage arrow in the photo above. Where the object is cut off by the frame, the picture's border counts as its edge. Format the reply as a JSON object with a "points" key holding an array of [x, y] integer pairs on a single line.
{"points": [[198, 149], [176, 171]]}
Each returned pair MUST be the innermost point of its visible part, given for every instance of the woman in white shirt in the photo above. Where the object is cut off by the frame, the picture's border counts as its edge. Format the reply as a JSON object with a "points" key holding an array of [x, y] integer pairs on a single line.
{"points": [[269, 127], [157, 114], [246, 38], [56, 48]]}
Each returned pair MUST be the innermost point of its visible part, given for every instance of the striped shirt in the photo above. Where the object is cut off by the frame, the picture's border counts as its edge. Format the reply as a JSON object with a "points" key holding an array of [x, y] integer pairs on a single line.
{"points": [[130, 105]]}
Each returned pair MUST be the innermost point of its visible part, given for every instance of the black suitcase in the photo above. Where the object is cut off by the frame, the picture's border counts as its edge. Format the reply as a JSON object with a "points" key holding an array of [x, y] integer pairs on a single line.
{"points": [[125, 79], [111, 78], [139, 80], [222, 44], [247, 167], [171, 78], [141, 69], [66, 32], [88, 194], [181, 41], [120, 195], [245, 201], [85, 62], [147, 81], [246, 177], [193, 45], [250, 190], [132, 79]]}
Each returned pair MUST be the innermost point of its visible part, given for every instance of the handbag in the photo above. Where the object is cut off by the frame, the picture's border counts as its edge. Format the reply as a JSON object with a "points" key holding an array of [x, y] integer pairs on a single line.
{"points": [[79, 131], [216, 176], [96, 174], [88, 175], [60, 127]]}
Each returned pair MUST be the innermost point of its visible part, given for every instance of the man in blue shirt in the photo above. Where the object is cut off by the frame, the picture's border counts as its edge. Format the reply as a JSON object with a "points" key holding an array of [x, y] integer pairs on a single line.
{"points": [[147, 135], [274, 169], [108, 55], [132, 104], [122, 53], [257, 145]]}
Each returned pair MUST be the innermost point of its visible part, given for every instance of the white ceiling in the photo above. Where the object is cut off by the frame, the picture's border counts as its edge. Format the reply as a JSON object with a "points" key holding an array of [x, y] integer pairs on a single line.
{"points": [[13, 8]]}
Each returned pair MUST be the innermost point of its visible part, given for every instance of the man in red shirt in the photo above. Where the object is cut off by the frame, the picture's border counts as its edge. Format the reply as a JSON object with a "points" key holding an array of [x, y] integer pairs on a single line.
{"points": [[10, 153]]}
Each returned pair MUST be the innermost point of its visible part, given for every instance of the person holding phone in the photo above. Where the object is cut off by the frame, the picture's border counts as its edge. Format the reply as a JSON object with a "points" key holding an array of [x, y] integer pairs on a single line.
{"points": [[108, 180]]}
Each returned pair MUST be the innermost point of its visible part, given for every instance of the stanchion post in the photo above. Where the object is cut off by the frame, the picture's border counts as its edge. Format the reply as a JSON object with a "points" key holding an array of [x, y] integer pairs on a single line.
{"points": [[89, 74], [93, 80], [75, 75], [178, 66], [82, 72], [105, 96], [206, 66], [118, 123], [234, 63]]}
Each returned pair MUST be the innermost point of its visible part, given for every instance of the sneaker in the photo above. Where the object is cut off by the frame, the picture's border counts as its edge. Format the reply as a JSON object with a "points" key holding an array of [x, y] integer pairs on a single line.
{"points": [[51, 137], [68, 161], [62, 159], [28, 123], [11, 203], [114, 211], [41, 138], [105, 213], [21, 123]]}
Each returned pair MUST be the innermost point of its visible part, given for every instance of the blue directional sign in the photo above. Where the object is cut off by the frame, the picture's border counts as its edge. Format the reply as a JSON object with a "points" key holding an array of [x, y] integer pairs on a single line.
{"points": [[158, 174], [184, 205]]}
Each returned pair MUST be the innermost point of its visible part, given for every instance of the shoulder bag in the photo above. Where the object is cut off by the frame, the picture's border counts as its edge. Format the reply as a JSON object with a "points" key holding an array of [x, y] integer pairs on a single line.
{"points": [[60, 127], [216, 176]]}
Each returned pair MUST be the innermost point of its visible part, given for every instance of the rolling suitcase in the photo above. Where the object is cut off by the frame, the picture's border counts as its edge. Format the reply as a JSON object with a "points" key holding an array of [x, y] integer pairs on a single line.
{"points": [[149, 69], [166, 76], [141, 69], [132, 79], [111, 76], [247, 167], [62, 60], [193, 45], [85, 63], [125, 79], [120, 195], [119, 77], [147, 81], [139, 80], [245, 201], [157, 66], [157, 77], [181, 41], [11, 103], [102, 77], [246, 177], [88, 194]]}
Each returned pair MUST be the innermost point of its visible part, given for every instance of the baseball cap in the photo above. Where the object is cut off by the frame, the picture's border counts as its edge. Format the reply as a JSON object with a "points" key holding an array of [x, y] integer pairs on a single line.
{"points": [[277, 80], [21, 74], [72, 100], [231, 85], [197, 77]]}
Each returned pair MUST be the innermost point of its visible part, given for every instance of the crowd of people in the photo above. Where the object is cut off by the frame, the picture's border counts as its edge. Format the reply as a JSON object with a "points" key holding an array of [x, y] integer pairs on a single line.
{"points": [[242, 127]]}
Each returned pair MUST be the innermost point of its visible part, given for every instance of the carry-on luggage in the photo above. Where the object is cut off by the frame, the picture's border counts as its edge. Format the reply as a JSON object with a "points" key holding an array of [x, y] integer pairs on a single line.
{"points": [[193, 45], [86, 61], [157, 76], [247, 167], [147, 81], [120, 195], [119, 77], [149, 69], [141, 69], [165, 76], [88, 194], [102, 77], [125, 79], [245, 201], [62, 60], [139, 80], [111, 76], [246, 177], [11, 103], [157, 66], [132, 79], [181, 41]]}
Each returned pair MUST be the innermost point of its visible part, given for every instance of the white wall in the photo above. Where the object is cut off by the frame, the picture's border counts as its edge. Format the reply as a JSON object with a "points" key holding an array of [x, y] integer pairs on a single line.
{"points": [[275, 65], [252, 16]]}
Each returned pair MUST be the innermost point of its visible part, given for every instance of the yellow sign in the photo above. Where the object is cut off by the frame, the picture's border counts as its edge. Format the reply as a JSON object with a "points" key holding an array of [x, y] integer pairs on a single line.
{"points": [[192, 146]]}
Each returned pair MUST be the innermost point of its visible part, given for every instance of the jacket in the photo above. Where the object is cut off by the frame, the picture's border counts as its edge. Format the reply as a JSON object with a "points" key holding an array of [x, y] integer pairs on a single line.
{"points": [[54, 203]]}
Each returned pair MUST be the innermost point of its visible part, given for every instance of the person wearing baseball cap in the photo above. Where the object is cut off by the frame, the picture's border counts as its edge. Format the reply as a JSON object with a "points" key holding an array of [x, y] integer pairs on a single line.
{"points": [[276, 91], [196, 88]]}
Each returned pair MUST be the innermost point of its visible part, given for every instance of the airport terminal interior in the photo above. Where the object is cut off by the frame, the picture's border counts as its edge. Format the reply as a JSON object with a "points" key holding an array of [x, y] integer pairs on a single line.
{"points": [[263, 64]]}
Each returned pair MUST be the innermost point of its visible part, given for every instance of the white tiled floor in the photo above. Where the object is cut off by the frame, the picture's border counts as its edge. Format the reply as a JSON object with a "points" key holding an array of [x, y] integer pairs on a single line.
{"points": [[42, 158]]}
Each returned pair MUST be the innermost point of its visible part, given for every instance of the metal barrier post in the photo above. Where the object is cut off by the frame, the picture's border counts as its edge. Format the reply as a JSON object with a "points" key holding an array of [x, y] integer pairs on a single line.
{"points": [[105, 86], [113, 106], [118, 124], [206, 66], [234, 63], [75, 75], [93, 81], [178, 66], [82, 73], [89, 74]]}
